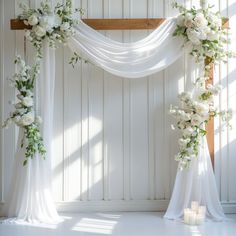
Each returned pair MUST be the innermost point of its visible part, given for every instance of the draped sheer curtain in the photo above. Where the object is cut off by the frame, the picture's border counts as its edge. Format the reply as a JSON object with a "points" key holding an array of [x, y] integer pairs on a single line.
{"points": [[30, 196]]}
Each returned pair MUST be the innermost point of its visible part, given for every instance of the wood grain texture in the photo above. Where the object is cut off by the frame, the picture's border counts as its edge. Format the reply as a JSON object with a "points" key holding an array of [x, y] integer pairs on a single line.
{"points": [[210, 126], [106, 24]]}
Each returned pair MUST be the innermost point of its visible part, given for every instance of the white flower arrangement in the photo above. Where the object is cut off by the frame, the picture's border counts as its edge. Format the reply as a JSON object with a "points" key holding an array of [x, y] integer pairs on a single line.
{"points": [[203, 33], [192, 116], [55, 25], [24, 114], [206, 41]]}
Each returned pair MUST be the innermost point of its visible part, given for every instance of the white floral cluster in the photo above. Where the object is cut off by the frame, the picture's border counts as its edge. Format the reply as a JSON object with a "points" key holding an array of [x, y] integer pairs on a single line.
{"points": [[196, 110], [204, 35], [24, 114], [55, 25]]}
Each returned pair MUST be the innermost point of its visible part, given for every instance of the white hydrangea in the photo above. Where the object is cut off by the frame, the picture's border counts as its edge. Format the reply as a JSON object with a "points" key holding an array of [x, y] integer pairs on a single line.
{"points": [[27, 119], [33, 20], [27, 101]]}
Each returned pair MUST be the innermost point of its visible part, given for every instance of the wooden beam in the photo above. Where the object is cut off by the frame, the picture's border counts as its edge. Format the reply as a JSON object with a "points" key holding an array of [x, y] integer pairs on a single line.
{"points": [[210, 126], [124, 24], [113, 24], [107, 24]]}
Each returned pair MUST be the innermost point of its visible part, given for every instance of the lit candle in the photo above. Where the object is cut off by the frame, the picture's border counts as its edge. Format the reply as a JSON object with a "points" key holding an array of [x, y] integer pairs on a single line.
{"points": [[194, 206]]}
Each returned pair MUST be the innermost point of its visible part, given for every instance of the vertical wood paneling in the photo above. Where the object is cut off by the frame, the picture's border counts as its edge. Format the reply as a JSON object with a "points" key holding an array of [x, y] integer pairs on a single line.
{"points": [[9, 44], [112, 136], [2, 104]]}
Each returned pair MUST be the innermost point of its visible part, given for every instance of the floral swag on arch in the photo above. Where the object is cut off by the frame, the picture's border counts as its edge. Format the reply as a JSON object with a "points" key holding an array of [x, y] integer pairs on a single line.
{"points": [[199, 31]]}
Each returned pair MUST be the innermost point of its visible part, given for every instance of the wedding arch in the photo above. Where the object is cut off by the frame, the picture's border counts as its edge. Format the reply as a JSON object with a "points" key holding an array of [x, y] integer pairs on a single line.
{"points": [[30, 194]]}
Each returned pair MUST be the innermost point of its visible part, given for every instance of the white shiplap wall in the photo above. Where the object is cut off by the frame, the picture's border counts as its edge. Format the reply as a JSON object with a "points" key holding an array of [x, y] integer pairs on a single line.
{"points": [[113, 145]]}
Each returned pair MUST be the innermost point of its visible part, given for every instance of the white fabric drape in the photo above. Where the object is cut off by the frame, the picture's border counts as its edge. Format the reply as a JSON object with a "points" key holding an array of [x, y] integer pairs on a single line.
{"points": [[30, 193], [30, 197], [196, 184], [131, 60]]}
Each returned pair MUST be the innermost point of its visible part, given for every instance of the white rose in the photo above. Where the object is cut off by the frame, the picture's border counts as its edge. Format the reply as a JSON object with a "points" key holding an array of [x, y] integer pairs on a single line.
{"points": [[188, 131], [193, 36], [196, 120], [202, 109], [200, 20], [39, 31], [180, 20], [27, 101], [38, 120], [27, 119], [33, 20], [188, 23], [65, 26]]}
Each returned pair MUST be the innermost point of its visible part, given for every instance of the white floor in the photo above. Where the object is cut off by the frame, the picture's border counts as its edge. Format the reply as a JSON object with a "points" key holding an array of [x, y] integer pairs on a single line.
{"points": [[122, 224]]}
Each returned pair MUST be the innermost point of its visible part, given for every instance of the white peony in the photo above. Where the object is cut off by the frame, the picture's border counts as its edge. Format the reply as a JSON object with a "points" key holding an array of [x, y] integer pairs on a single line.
{"points": [[27, 119], [188, 22], [39, 31], [180, 20], [33, 20], [200, 20], [27, 101], [193, 36], [65, 26]]}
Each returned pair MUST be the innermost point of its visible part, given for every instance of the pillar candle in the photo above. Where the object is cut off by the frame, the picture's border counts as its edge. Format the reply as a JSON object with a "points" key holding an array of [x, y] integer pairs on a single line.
{"points": [[202, 210], [194, 206], [192, 218]]}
